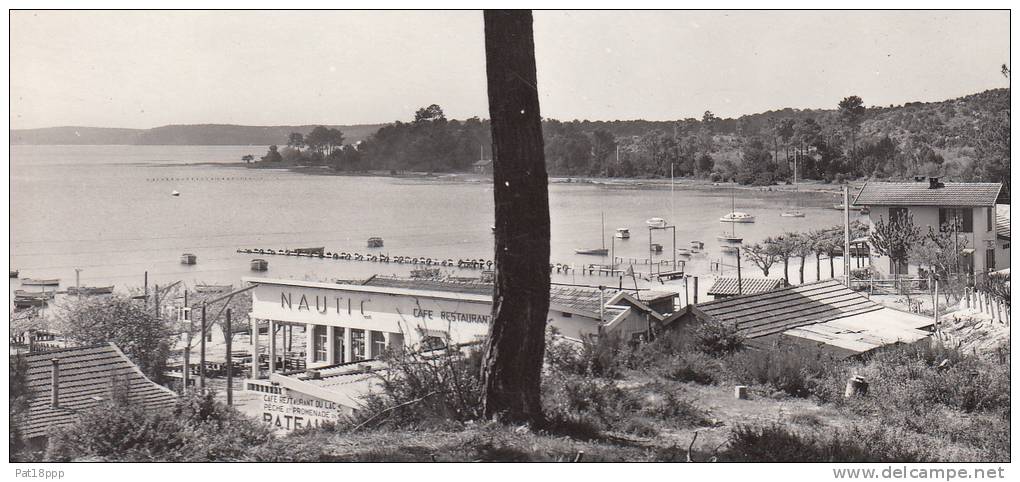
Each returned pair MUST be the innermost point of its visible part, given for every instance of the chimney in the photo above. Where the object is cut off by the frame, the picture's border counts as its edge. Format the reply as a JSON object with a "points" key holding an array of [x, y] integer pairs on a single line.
{"points": [[55, 383], [933, 183]]}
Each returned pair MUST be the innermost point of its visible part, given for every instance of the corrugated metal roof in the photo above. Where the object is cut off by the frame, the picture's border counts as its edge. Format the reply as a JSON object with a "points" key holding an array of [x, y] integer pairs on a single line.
{"points": [[748, 286], [866, 331], [87, 376], [1002, 220], [779, 310], [918, 194]]}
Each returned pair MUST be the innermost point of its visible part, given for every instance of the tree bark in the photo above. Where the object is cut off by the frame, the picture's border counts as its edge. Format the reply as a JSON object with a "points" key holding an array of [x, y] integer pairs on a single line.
{"points": [[511, 370], [802, 269], [818, 267]]}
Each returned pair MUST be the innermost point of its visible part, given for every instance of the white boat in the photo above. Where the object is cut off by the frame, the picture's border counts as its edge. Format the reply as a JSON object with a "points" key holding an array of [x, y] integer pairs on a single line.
{"points": [[683, 252], [737, 217], [729, 249], [175, 193], [697, 246], [792, 214], [729, 238], [656, 222], [622, 233]]}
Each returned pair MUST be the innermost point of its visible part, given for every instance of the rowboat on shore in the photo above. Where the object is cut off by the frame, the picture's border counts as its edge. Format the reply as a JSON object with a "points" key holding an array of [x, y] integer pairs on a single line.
{"points": [[90, 290], [29, 302], [34, 294], [202, 288], [40, 282]]}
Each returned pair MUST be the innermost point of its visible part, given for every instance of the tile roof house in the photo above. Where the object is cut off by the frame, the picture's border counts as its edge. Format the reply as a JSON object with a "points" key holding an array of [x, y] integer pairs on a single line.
{"points": [[84, 378], [724, 287], [815, 313], [935, 204]]}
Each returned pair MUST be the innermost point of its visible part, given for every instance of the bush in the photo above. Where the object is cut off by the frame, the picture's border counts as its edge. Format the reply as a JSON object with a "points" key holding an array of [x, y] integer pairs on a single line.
{"points": [[600, 356], [425, 390], [718, 339], [693, 367], [775, 443], [788, 369], [196, 429]]}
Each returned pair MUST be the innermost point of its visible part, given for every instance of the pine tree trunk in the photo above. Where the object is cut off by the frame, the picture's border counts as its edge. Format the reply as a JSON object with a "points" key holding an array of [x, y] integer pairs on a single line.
{"points": [[802, 269], [832, 267], [786, 269], [511, 370], [818, 267]]}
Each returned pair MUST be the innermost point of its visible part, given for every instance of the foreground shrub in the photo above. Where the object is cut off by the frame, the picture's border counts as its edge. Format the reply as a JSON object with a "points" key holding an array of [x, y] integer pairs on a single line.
{"points": [[424, 390], [196, 429], [792, 370], [603, 356], [775, 443]]}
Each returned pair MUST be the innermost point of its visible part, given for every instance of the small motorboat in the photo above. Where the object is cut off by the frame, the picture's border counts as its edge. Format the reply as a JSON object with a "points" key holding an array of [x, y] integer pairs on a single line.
{"points": [[729, 238], [40, 282], [656, 247], [729, 248], [174, 193], [622, 233], [656, 222], [593, 251], [90, 290], [375, 242], [14, 273], [259, 265], [792, 214], [49, 295], [697, 246], [737, 217], [189, 259], [683, 252], [202, 288]]}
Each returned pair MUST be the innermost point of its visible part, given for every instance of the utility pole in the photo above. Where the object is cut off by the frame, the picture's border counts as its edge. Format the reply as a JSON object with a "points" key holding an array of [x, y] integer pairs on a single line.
{"points": [[846, 234], [740, 283], [228, 334], [201, 355], [145, 282], [186, 326], [77, 282]]}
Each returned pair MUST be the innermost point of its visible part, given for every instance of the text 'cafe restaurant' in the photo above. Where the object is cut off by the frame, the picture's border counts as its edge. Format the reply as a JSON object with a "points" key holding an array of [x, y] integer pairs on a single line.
{"points": [[344, 327]]}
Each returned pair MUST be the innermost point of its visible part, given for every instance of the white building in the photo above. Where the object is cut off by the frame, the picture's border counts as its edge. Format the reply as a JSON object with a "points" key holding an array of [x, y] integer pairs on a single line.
{"points": [[933, 204], [347, 325]]}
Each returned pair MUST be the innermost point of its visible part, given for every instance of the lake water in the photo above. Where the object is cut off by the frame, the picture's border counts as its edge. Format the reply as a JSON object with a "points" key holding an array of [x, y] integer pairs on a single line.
{"points": [[108, 210]]}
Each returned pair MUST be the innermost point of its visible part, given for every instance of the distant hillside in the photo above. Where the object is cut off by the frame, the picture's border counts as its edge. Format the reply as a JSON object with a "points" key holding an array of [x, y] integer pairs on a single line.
{"points": [[194, 135]]}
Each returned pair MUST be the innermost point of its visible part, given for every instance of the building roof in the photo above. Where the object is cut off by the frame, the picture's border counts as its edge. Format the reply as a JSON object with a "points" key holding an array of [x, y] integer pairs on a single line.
{"points": [[748, 286], [477, 288], [864, 332], [578, 298], [919, 194], [87, 376], [776, 311], [1002, 220]]}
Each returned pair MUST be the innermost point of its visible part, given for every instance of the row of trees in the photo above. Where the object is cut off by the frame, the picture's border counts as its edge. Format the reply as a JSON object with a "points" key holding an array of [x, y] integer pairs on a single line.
{"points": [[789, 246]]}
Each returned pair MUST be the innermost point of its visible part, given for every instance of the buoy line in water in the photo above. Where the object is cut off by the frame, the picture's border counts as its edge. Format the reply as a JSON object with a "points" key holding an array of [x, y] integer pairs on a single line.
{"points": [[480, 264]]}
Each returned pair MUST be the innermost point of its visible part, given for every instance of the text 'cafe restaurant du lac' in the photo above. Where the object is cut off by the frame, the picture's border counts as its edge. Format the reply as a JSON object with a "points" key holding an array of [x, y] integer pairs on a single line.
{"points": [[323, 372]]}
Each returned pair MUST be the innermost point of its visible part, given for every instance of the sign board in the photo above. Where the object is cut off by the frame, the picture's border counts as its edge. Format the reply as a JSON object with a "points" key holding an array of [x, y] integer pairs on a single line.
{"points": [[296, 410]]}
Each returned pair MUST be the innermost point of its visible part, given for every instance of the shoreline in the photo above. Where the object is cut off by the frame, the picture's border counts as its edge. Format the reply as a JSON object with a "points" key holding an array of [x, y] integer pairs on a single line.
{"points": [[808, 187]]}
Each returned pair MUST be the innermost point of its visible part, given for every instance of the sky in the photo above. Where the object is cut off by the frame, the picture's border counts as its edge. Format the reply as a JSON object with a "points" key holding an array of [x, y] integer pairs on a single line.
{"points": [[147, 69]]}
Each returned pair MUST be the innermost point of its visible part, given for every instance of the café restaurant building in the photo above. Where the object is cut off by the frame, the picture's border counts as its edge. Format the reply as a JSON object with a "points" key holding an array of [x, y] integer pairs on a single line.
{"points": [[347, 325]]}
